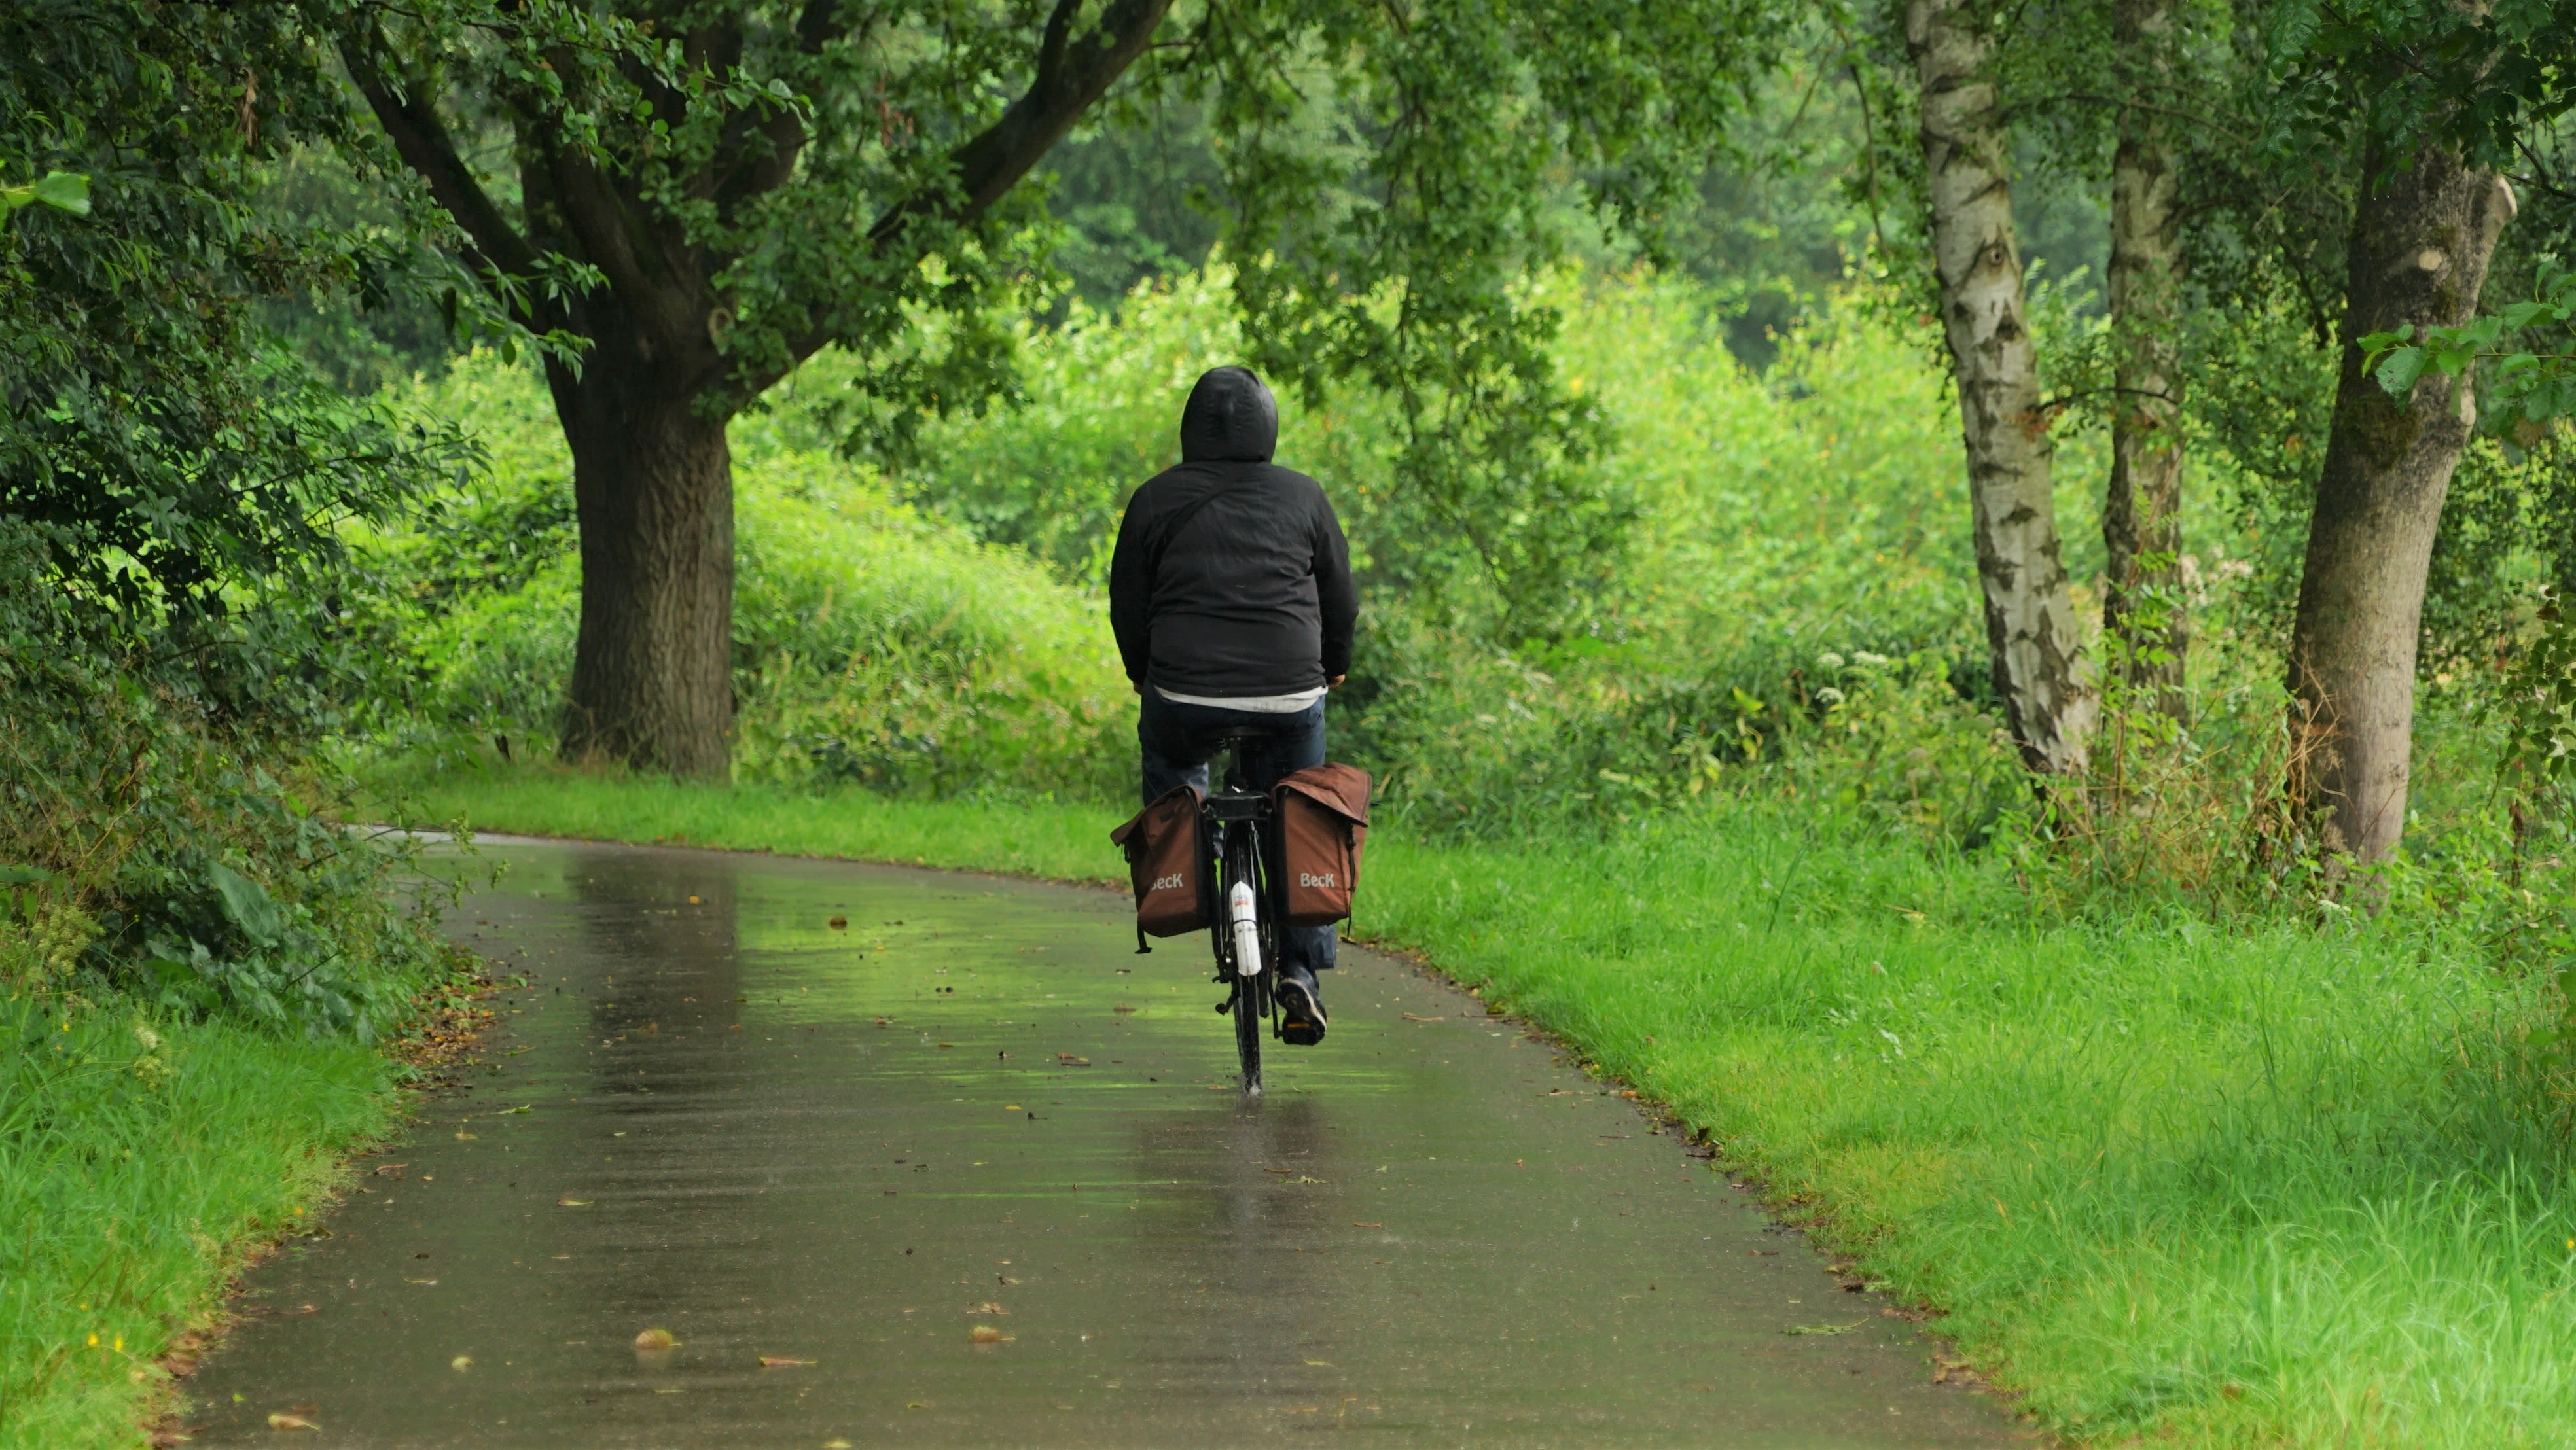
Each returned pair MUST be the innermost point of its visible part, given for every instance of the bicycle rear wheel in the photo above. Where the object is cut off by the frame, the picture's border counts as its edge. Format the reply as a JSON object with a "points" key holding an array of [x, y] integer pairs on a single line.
{"points": [[1251, 994]]}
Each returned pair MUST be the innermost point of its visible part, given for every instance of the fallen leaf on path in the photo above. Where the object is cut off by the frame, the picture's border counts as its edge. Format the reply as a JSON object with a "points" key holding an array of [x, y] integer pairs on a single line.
{"points": [[1006, 1281], [1069, 1060], [656, 1339], [461, 1362], [1321, 1363], [423, 1282], [1825, 1328], [521, 1108], [948, 1044], [780, 1361], [987, 1334], [1124, 1007], [988, 1307], [291, 1422], [1409, 1017], [1355, 1223], [465, 1137], [572, 1203], [838, 922], [1278, 1170], [885, 1022], [393, 1168]]}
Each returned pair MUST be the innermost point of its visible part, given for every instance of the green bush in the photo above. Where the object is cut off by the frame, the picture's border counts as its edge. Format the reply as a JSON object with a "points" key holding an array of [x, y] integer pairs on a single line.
{"points": [[872, 643], [151, 847]]}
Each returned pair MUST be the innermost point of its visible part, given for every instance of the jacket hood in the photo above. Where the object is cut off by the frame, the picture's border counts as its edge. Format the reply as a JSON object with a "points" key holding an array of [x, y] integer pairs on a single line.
{"points": [[1229, 418]]}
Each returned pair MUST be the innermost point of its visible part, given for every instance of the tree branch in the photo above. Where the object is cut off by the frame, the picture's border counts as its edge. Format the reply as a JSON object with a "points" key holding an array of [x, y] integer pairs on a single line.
{"points": [[411, 120], [1069, 78], [741, 172]]}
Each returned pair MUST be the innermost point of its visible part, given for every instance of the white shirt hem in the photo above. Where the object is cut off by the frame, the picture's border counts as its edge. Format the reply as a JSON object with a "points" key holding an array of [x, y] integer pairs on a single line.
{"points": [[1250, 704]]}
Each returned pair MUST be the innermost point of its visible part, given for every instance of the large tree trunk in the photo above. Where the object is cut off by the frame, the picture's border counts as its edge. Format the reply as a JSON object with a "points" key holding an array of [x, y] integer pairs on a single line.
{"points": [[2421, 240], [2141, 512], [652, 678], [2030, 623]]}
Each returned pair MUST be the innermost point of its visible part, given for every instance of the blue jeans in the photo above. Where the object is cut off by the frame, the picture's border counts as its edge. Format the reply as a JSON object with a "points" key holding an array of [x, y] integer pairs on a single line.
{"points": [[1175, 743]]}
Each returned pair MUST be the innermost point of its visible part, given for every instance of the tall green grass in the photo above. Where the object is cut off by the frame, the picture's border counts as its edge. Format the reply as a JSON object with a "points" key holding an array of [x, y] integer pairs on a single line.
{"points": [[140, 1153], [2269, 1185]]}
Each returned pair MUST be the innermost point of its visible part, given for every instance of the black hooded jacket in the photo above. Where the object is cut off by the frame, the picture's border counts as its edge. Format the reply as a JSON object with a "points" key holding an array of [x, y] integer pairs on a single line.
{"points": [[1231, 576]]}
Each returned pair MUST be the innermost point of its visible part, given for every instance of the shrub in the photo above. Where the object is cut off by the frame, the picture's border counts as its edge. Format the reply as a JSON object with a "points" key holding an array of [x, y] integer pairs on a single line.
{"points": [[873, 643], [148, 846]]}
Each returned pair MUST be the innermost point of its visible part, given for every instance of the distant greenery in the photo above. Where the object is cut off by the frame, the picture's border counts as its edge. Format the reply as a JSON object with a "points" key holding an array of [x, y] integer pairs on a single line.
{"points": [[873, 644], [878, 642]]}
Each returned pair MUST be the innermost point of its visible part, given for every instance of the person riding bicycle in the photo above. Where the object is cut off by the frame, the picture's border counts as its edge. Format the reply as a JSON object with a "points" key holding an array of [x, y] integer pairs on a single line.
{"points": [[1231, 596]]}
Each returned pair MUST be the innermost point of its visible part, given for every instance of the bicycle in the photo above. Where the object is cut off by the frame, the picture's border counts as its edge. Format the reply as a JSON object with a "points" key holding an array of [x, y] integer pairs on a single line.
{"points": [[1235, 821]]}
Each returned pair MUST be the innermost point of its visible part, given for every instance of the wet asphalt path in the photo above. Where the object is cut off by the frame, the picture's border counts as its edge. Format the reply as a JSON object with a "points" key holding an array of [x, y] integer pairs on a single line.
{"points": [[979, 1171]]}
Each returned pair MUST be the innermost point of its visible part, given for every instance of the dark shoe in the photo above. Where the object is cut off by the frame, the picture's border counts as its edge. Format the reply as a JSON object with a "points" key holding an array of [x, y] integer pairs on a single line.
{"points": [[1301, 1008]]}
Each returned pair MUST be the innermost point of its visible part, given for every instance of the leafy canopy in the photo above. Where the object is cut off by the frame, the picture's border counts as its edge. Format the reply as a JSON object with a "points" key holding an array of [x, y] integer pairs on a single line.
{"points": [[734, 185]]}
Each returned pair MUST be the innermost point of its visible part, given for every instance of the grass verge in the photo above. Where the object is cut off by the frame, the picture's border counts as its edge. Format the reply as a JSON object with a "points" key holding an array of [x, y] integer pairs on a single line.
{"points": [[2248, 1187], [142, 1160]]}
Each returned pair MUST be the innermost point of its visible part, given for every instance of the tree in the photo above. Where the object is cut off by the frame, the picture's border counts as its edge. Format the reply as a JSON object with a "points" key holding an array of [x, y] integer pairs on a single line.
{"points": [[188, 482], [2142, 608], [706, 198], [703, 210], [1402, 271], [2441, 99], [2421, 240], [2031, 631]]}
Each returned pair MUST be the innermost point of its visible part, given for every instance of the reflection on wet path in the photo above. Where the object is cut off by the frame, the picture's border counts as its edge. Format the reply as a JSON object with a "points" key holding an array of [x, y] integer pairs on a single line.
{"points": [[946, 1141]]}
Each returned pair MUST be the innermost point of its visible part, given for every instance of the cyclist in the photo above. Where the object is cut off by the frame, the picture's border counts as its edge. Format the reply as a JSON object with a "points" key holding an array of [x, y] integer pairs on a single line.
{"points": [[1231, 596]]}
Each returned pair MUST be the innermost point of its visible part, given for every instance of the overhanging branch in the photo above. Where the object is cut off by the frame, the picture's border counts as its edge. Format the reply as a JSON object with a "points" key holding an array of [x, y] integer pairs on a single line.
{"points": [[1070, 77], [420, 137]]}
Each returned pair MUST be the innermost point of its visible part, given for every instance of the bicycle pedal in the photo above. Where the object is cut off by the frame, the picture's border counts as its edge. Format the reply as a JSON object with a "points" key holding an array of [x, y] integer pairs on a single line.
{"points": [[1225, 1006]]}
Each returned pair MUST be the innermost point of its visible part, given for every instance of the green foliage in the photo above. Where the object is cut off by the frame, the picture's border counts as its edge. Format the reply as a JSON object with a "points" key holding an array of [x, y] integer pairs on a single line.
{"points": [[872, 645], [376, 319], [1775, 518], [1409, 278], [154, 850], [172, 496], [1780, 519], [2528, 382], [185, 470], [62, 190]]}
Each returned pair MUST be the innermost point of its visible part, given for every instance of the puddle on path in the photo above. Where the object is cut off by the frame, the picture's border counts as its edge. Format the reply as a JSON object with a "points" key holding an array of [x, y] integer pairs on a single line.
{"points": [[972, 1107]]}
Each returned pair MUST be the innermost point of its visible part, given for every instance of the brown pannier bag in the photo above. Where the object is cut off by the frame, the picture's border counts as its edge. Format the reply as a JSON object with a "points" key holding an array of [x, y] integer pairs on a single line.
{"points": [[1166, 863], [1323, 822]]}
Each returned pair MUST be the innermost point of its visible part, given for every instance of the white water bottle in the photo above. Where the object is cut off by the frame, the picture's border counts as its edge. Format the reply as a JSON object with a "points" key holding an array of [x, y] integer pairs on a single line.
{"points": [[1247, 929]]}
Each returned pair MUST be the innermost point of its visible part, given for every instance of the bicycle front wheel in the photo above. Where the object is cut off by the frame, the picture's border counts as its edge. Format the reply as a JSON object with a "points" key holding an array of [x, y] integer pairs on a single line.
{"points": [[1251, 994]]}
